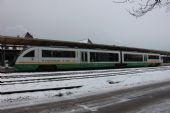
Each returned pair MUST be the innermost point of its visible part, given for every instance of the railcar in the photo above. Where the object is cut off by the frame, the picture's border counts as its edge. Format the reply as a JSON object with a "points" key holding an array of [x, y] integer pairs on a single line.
{"points": [[46, 58], [165, 59], [136, 59], [55, 58]]}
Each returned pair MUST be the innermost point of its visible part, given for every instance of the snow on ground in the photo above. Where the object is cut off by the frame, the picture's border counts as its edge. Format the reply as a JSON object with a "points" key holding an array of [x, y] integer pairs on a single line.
{"points": [[158, 107], [52, 75], [90, 86], [66, 72]]}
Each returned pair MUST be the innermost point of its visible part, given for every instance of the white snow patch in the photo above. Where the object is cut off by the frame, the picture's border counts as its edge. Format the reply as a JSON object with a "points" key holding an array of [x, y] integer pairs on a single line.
{"points": [[88, 108], [91, 86]]}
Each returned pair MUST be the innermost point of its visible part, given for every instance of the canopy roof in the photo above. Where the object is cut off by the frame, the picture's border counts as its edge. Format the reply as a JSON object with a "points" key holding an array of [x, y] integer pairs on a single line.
{"points": [[45, 42]]}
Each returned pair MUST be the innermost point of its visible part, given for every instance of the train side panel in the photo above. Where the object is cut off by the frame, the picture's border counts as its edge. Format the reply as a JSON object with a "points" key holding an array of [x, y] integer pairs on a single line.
{"points": [[48, 58], [63, 58], [136, 59], [28, 60], [154, 59]]}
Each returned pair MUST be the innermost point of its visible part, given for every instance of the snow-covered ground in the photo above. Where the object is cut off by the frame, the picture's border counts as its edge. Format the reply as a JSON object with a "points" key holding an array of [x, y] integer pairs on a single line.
{"points": [[162, 106], [90, 86]]}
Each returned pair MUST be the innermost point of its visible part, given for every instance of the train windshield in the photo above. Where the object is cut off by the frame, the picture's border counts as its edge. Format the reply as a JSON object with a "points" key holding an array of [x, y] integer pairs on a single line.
{"points": [[30, 54]]}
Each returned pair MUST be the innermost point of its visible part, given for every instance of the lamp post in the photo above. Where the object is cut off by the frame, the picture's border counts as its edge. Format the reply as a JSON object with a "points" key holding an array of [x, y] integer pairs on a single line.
{"points": [[3, 52]]}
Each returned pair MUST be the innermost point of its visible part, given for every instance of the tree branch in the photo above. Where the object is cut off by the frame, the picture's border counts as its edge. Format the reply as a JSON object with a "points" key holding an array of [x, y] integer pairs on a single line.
{"points": [[145, 6]]}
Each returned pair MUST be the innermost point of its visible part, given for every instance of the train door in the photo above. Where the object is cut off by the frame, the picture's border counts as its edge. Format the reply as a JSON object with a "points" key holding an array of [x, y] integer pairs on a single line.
{"points": [[35, 57], [145, 58], [39, 54], [84, 57]]}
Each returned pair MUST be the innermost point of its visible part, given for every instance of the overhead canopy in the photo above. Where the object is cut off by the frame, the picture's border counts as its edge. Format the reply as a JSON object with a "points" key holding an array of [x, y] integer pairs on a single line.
{"points": [[45, 42]]}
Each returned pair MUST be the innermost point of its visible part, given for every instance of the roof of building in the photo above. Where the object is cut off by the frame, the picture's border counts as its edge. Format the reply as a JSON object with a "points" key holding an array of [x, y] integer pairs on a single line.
{"points": [[45, 42], [87, 41]]}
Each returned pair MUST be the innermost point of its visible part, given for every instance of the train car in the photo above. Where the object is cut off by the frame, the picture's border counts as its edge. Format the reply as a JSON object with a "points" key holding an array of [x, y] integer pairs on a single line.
{"points": [[55, 58], [136, 59], [165, 59], [47, 58], [154, 59]]}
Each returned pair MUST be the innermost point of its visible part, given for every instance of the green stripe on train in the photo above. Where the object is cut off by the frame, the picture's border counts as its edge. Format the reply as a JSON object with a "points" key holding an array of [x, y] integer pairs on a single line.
{"points": [[34, 67], [141, 64], [26, 67]]}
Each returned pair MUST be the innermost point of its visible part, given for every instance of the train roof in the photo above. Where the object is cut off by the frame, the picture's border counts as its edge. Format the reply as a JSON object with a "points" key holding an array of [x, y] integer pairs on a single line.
{"points": [[45, 42]]}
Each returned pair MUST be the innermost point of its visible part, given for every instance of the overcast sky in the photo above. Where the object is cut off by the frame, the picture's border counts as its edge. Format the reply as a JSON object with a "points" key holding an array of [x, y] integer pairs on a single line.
{"points": [[100, 20]]}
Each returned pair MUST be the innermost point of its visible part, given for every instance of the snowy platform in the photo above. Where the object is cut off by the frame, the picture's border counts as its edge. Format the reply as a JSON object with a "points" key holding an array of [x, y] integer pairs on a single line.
{"points": [[90, 86], [7, 69]]}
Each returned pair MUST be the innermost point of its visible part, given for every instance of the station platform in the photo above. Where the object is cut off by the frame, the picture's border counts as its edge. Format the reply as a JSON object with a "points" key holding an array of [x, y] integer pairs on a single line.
{"points": [[165, 64], [7, 69]]}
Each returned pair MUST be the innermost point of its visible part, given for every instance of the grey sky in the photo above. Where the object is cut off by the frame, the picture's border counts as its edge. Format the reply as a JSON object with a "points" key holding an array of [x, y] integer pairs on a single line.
{"points": [[100, 20]]}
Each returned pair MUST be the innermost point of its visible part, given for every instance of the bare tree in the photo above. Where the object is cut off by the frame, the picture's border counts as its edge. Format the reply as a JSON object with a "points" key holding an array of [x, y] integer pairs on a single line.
{"points": [[144, 6]]}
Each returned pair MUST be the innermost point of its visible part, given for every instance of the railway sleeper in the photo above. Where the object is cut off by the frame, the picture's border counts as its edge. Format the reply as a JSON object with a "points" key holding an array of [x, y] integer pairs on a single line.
{"points": [[39, 90]]}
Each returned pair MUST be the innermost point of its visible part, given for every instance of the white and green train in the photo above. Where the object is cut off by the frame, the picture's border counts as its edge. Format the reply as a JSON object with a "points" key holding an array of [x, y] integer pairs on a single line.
{"points": [[55, 58]]}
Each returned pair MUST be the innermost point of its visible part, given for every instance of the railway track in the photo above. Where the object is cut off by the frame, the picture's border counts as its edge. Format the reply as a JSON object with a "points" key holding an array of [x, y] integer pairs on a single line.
{"points": [[116, 101], [75, 75], [77, 72], [6, 81], [38, 90]]}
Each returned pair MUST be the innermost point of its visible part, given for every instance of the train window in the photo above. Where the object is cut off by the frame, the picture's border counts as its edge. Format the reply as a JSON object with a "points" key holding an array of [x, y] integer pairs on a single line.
{"points": [[103, 57], [46, 53], [153, 57], [84, 56], [30, 54], [145, 57], [133, 57], [58, 54], [166, 59]]}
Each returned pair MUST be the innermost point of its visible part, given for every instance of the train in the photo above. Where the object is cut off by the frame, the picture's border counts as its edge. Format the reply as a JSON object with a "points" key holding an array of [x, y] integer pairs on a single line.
{"points": [[65, 58]]}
